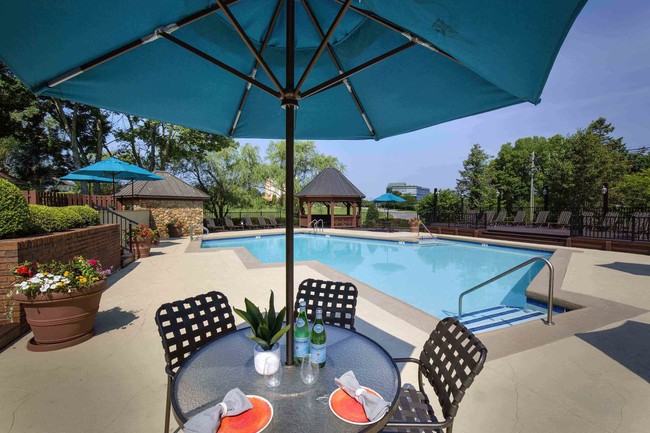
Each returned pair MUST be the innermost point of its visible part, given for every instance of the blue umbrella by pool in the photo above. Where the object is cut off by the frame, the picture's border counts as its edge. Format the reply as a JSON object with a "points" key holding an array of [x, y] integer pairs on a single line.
{"points": [[388, 198], [86, 178], [370, 69]]}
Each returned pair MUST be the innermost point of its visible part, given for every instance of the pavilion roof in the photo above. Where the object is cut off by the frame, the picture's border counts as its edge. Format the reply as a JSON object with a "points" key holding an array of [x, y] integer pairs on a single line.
{"points": [[170, 187], [330, 183]]}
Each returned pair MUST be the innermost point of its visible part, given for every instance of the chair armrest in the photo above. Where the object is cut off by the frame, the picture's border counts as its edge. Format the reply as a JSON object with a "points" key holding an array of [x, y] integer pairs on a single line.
{"points": [[425, 425], [414, 361]]}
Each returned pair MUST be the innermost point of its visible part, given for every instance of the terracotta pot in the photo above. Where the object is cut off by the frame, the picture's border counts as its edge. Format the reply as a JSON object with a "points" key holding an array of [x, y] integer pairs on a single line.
{"points": [[175, 231], [61, 320], [142, 247], [415, 228]]}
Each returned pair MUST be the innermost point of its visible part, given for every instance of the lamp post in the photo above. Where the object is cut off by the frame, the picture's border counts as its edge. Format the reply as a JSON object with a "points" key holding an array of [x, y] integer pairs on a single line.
{"points": [[435, 205], [545, 194], [605, 191], [498, 201]]}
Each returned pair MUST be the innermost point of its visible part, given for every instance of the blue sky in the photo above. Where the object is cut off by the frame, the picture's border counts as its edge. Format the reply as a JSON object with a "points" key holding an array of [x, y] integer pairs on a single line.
{"points": [[603, 69]]}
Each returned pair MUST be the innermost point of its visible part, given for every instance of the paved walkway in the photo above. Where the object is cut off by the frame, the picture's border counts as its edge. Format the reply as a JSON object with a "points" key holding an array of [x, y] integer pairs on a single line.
{"points": [[594, 381]]}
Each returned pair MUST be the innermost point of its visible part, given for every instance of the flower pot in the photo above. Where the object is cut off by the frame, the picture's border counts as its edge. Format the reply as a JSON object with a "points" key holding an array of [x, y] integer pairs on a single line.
{"points": [[142, 247], [260, 355], [175, 231], [60, 320], [415, 228]]}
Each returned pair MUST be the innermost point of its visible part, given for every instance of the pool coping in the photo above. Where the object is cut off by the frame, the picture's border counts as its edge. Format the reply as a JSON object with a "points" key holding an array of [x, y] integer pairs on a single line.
{"points": [[586, 312]]}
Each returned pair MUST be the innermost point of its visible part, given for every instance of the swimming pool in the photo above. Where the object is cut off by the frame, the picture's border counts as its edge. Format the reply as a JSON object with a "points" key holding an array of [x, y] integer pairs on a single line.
{"points": [[427, 276]]}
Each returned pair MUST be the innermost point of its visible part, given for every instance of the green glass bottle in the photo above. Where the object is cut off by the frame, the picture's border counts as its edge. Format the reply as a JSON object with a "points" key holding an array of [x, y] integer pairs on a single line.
{"points": [[300, 335], [318, 340]]}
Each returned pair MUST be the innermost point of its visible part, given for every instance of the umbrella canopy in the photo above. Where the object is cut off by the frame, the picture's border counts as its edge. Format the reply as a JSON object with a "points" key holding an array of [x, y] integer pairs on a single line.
{"points": [[115, 169], [388, 198], [357, 70], [86, 178]]}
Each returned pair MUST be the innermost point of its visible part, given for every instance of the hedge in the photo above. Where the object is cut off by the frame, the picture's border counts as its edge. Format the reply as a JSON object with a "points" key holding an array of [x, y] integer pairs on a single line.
{"points": [[44, 219], [13, 209], [89, 215]]}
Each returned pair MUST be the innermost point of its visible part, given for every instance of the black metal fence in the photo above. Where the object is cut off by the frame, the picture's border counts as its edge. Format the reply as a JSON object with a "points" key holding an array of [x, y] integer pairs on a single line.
{"points": [[251, 214], [618, 223], [107, 216]]}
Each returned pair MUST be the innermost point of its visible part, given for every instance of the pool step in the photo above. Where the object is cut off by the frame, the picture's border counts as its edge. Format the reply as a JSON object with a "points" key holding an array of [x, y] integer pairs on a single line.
{"points": [[497, 317]]}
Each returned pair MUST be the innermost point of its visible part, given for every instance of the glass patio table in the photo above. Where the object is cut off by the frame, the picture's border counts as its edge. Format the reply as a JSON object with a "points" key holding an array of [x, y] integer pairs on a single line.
{"points": [[227, 363]]}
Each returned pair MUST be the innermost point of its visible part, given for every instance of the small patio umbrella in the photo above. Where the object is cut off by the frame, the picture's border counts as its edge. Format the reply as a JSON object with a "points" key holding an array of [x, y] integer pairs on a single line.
{"points": [[116, 169], [371, 69], [86, 178], [388, 198]]}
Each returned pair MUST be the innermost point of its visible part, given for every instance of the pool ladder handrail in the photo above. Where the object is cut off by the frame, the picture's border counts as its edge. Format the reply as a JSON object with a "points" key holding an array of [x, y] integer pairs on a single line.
{"points": [[314, 225], [551, 278], [425, 228], [204, 230]]}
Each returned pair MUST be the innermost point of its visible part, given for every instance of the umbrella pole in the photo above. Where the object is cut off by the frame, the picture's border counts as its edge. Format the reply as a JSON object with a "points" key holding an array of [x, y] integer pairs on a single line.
{"points": [[132, 197], [289, 103], [113, 183]]}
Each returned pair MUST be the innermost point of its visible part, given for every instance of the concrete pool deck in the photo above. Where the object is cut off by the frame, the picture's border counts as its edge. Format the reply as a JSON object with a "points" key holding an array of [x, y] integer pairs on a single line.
{"points": [[588, 373]]}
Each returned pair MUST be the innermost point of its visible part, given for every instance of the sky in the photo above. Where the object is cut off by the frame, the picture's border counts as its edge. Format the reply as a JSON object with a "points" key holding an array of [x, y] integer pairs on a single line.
{"points": [[603, 69]]}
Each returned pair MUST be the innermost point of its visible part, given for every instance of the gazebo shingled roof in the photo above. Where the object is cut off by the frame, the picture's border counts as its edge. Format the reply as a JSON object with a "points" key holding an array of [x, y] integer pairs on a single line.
{"points": [[170, 187], [330, 183]]}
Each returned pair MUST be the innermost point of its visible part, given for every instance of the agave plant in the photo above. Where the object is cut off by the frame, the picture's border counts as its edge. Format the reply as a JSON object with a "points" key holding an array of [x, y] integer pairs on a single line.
{"points": [[267, 326]]}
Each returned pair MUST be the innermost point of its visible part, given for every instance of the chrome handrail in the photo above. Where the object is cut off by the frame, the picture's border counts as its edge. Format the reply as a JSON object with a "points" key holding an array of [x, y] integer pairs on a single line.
{"points": [[551, 278], [425, 228], [204, 230], [314, 225]]}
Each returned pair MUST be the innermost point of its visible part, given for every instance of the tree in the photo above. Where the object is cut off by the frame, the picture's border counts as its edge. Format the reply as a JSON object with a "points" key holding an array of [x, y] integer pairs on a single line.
{"points": [[448, 205], [634, 190], [229, 176], [372, 215], [474, 180], [308, 162]]}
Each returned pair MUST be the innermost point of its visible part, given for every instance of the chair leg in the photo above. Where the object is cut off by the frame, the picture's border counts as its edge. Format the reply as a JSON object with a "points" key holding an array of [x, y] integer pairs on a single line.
{"points": [[168, 404]]}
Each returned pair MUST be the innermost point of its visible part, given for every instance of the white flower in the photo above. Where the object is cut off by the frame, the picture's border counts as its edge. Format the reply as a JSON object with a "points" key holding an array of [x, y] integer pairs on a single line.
{"points": [[44, 288], [39, 275]]}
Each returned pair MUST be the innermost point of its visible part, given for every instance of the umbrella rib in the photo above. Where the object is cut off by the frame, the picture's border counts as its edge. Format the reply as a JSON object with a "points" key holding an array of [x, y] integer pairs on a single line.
{"points": [[336, 61], [323, 43], [219, 63], [341, 77], [128, 47], [402, 31], [267, 37], [242, 34]]}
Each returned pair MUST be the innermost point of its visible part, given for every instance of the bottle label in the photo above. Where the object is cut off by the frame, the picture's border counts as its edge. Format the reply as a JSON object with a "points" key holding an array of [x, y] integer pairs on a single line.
{"points": [[299, 322], [318, 328], [300, 346], [318, 352]]}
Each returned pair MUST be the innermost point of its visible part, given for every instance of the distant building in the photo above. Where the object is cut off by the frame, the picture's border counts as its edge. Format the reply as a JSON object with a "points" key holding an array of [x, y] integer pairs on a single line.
{"points": [[405, 189], [271, 192]]}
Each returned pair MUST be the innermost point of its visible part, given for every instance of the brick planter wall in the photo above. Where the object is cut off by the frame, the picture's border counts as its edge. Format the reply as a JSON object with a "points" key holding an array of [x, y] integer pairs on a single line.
{"points": [[98, 242]]}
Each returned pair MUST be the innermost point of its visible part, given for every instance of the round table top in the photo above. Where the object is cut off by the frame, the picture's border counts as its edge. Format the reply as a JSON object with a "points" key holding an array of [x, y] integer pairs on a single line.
{"points": [[227, 363]]}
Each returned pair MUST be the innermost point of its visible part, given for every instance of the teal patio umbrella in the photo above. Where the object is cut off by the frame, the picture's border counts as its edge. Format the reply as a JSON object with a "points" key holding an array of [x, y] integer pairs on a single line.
{"points": [[86, 178], [357, 69], [388, 198]]}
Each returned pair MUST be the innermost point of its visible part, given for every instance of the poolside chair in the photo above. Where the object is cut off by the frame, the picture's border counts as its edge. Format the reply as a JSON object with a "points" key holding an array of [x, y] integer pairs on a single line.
{"points": [[263, 223], [637, 227], [489, 217], [608, 222], [337, 299], [273, 222], [562, 221], [472, 218], [187, 325], [232, 226], [588, 220], [249, 224], [542, 216], [501, 218], [450, 360], [210, 225], [519, 218]]}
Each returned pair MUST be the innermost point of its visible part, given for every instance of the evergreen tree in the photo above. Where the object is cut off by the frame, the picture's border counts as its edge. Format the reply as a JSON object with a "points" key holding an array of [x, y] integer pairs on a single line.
{"points": [[474, 180]]}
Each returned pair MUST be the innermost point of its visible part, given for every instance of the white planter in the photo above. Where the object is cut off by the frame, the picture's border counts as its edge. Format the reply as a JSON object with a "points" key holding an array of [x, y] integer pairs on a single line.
{"points": [[260, 356]]}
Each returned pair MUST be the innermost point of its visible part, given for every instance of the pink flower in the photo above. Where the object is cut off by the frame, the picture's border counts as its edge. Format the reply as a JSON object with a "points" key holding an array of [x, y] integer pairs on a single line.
{"points": [[93, 262]]}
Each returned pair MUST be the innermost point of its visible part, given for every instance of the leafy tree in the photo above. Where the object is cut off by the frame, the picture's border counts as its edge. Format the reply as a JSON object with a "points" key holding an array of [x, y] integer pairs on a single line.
{"points": [[634, 190], [308, 162], [474, 180], [448, 205]]}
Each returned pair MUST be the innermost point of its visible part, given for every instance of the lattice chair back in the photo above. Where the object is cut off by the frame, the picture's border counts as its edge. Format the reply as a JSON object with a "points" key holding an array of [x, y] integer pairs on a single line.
{"points": [[187, 325], [337, 299], [450, 360]]}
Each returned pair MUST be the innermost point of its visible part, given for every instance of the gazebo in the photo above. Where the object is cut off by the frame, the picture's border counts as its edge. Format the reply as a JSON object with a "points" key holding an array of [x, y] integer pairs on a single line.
{"points": [[330, 188]]}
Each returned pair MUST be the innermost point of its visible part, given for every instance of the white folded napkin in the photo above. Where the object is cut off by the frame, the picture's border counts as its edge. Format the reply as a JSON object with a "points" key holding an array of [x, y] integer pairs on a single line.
{"points": [[208, 421], [374, 406]]}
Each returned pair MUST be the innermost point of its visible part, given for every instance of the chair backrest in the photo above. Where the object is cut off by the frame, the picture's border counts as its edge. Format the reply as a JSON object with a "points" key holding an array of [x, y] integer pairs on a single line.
{"points": [[489, 216], [541, 217], [519, 218], [229, 222], [186, 325], [501, 217], [273, 221], [208, 222], [262, 221], [564, 218], [337, 299], [248, 222], [450, 360], [610, 219]]}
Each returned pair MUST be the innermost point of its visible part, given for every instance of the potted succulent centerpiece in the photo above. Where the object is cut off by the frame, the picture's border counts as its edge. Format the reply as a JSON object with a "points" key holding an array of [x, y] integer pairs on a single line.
{"points": [[60, 300], [143, 237], [266, 330]]}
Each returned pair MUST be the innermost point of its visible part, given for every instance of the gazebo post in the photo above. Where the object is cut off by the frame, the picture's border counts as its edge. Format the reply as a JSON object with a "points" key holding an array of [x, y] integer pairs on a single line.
{"points": [[309, 205], [354, 215], [332, 214]]}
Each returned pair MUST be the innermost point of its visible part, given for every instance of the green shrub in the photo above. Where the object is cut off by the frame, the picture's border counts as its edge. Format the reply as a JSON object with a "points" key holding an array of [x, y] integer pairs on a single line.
{"points": [[89, 215], [372, 215], [14, 213], [45, 219], [71, 218]]}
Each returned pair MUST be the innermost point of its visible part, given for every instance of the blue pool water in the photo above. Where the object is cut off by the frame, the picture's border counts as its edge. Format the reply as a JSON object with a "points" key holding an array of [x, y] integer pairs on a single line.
{"points": [[429, 277]]}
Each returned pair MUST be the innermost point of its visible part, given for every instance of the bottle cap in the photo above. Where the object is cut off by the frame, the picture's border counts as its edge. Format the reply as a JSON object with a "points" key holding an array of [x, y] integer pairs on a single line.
{"points": [[302, 303]]}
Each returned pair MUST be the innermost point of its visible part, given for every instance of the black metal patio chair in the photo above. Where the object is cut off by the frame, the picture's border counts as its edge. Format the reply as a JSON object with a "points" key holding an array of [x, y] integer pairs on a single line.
{"points": [[450, 360], [249, 224], [232, 226], [337, 299], [185, 326], [211, 226]]}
